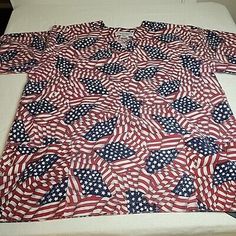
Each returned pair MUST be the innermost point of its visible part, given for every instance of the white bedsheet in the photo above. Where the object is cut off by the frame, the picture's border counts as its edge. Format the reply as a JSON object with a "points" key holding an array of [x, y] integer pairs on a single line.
{"points": [[126, 13]]}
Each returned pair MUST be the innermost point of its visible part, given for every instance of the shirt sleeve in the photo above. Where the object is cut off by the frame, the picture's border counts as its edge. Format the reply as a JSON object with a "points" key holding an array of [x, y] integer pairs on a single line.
{"points": [[217, 46], [20, 52]]}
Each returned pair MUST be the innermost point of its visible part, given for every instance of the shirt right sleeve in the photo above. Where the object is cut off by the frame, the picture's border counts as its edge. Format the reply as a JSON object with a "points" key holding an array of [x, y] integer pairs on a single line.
{"points": [[20, 52]]}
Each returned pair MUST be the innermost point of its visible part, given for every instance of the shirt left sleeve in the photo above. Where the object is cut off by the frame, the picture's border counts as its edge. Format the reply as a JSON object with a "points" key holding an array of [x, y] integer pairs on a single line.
{"points": [[20, 52], [217, 46]]}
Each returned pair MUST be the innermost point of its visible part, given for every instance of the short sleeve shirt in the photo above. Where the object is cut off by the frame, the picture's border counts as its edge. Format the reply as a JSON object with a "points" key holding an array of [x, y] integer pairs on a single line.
{"points": [[119, 121]]}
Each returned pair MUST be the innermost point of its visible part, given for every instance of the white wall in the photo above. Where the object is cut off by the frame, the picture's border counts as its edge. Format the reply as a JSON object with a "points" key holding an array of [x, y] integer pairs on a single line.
{"points": [[230, 4]]}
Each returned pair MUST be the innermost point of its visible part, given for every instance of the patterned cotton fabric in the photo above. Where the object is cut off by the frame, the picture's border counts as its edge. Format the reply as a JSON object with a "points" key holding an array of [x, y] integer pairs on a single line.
{"points": [[119, 121]]}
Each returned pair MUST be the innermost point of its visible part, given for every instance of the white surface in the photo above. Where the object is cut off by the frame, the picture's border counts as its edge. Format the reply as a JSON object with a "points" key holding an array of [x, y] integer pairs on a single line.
{"points": [[125, 13], [230, 5], [11, 87], [69, 2], [206, 224]]}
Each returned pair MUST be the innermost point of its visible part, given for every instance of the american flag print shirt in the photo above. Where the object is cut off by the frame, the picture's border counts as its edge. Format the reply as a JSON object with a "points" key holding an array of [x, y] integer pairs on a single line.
{"points": [[119, 121]]}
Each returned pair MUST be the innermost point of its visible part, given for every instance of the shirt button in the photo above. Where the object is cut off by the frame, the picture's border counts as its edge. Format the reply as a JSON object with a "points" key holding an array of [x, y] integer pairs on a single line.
{"points": [[177, 30], [54, 94], [66, 102], [192, 93]]}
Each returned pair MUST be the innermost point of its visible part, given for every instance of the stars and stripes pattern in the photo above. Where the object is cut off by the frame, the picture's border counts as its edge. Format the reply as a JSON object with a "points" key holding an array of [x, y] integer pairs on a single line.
{"points": [[109, 126], [8, 55], [34, 87], [115, 151], [160, 158], [28, 65]]}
